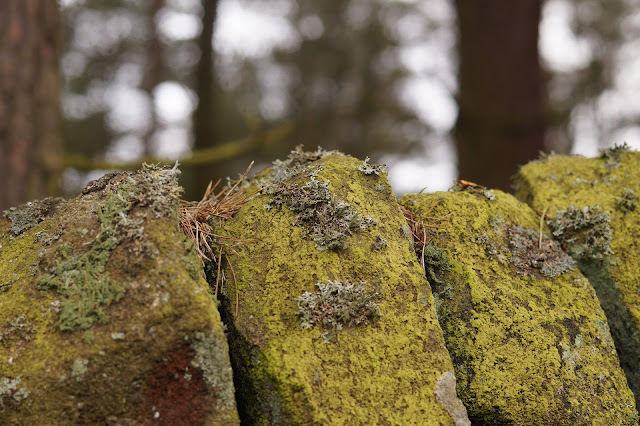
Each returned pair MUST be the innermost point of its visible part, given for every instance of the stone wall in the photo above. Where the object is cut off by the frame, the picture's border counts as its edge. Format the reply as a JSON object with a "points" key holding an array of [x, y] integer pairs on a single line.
{"points": [[341, 304]]}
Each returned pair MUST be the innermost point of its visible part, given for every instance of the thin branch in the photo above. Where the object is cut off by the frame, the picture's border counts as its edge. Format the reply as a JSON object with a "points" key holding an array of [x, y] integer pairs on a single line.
{"points": [[204, 156]]}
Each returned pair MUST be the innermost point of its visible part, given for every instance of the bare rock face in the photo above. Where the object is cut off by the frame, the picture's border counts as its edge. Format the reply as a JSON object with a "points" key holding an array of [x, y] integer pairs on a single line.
{"points": [[529, 342], [591, 207], [335, 321], [105, 317]]}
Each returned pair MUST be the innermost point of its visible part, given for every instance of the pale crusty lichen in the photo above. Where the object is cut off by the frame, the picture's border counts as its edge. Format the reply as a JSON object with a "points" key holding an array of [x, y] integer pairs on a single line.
{"points": [[381, 372], [527, 348], [28, 215], [571, 183], [335, 305]]}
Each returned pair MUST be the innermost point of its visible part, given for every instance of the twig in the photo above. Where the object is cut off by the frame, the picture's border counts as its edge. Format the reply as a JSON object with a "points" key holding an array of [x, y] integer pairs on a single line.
{"points": [[236, 283], [541, 224]]}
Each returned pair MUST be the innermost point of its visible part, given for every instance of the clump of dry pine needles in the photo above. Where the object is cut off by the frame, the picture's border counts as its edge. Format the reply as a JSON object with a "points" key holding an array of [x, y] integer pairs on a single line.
{"points": [[196, 219], [420, 227]]}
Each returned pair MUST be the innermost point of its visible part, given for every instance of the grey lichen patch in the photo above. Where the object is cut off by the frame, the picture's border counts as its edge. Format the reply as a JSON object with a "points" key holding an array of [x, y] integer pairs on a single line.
{"points": [[79, 369], [191, 261], [532, 252], [586, 232], [447, 396], [326, 219], [10, 392], [628, 201], [612, 156], [337, 304], [297, 162], [371, 169], [212, 358], [82, 279], [17, 328], [28, 215], [379, 244]]}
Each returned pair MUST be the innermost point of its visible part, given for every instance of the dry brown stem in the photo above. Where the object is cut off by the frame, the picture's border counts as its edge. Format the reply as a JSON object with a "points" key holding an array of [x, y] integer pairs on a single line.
{"points": [[419, 226], [196, 219]]}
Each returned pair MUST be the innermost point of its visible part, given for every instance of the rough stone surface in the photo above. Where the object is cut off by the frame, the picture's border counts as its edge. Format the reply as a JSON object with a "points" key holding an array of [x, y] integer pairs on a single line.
{"points": [[529, 341], [600, 193], [336, 321], [104, 315]]}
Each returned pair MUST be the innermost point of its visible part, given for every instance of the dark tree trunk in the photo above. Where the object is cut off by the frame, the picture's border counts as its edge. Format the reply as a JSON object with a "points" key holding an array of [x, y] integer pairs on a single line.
{"points": [[501, 95], [30, 123], [154, 71], [204, 117]]}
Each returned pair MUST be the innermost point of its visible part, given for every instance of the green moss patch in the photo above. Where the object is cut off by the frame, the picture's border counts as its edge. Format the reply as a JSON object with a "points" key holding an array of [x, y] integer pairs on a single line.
{"points": [[591, 202], [529, 342], [385, 350]]}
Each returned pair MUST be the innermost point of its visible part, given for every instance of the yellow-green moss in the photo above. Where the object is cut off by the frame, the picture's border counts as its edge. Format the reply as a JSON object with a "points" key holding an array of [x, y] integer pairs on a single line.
{"points": [[528, 348], [118, 370], [606, 184], [382, 371]]}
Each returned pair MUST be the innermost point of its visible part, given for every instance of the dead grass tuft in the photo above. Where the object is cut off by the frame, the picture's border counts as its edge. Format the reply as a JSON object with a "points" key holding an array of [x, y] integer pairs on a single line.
{"points": [[421, 227], [196, 219]]}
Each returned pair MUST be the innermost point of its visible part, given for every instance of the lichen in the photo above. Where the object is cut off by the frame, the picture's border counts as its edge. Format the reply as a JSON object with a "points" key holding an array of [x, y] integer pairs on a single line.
{"points": [[17, 328], [326, 219], [379, 244], [586, 232], [370, 169], [628, 201], [296, 163], [533, 252], [82, 279], [337, 304], [612, 156], [79, 369], [28, 215], [212, 358], [10, 392]]}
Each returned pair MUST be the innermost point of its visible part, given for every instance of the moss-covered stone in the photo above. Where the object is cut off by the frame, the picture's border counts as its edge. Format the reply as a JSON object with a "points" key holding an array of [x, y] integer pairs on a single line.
{"points": [[529, 342], [102, 318], [369, 349], [592, 202]]}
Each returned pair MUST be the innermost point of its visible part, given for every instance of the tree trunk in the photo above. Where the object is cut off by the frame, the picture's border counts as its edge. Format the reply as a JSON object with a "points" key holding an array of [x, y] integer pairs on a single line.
{"points": [[30, 123], [154, 72], [204, 117], [501, 95]]}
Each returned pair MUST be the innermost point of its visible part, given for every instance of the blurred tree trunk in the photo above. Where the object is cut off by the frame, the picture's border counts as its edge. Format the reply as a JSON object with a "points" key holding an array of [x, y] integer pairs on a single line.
{"points": [[154, 72], [30, 122], [501, 94], [204, 116]]}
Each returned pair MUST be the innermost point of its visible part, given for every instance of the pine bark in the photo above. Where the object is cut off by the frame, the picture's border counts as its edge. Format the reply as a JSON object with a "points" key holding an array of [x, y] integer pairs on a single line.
{"points": [[501, 96], [30, 122]]}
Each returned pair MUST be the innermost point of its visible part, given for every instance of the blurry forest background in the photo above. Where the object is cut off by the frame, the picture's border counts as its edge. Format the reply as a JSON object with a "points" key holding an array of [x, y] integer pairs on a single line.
{"points": [[425, 86]]}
